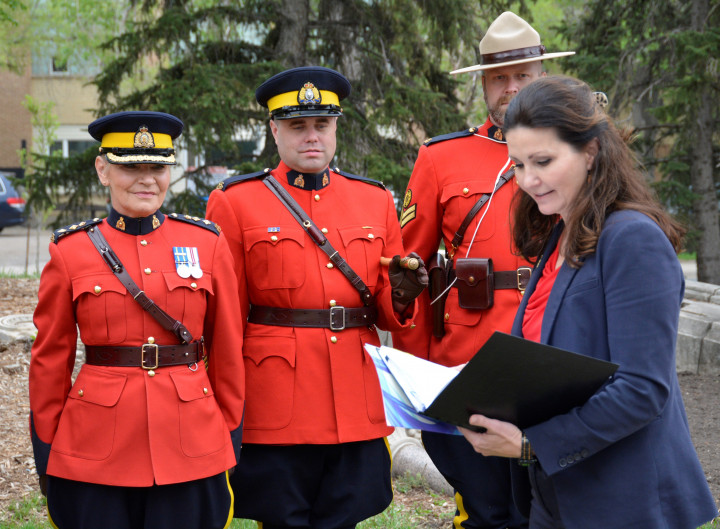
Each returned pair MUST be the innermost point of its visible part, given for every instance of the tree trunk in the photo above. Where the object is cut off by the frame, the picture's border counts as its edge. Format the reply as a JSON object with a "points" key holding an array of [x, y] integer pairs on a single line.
{"points": [[705, 206], [293, 32]]}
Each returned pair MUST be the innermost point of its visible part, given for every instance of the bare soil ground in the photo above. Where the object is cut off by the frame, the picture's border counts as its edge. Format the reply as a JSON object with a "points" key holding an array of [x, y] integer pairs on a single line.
{"points": [[17, 469]]}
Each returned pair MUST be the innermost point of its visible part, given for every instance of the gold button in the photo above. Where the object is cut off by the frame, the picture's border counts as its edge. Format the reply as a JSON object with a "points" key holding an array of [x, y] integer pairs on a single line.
{"points": [[193, 284], [333, 302], [273, 238], [143, 243], [330, 265], [81, 393], [371, 236], [333, 339], [447, 316], [151, 373], [151, 339], [148, 271], [465, 190], [204, 391], [324, 230], [98, 289], [317, 198]]}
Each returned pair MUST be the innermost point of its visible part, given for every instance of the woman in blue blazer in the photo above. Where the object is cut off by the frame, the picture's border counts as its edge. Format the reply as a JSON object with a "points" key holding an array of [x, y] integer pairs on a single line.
{"points": [[608, 285]]}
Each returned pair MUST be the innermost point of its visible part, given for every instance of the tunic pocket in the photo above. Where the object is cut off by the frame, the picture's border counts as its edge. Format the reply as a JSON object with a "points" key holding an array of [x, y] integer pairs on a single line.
{"points": [[363, 249], [269, 380], [275, 259], [88, 420], [100, 307], [203, 429], [187, 298], [458, 198]]}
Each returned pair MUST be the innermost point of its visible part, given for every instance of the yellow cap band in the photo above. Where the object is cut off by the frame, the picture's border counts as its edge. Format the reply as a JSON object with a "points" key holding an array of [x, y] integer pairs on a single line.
{"points": [[126, 140], [290, 99]]}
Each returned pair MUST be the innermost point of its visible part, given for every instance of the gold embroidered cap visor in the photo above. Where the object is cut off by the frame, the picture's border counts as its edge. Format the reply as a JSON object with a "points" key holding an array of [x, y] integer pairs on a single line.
{"points": [[510, 40], [303, 92], [137, 137]]}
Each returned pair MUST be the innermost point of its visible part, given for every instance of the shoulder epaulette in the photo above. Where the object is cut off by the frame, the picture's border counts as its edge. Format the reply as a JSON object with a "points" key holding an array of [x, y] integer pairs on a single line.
{"points": [[359, 178], [451, 136], [197, 221], [73, 228], [228, 182]]}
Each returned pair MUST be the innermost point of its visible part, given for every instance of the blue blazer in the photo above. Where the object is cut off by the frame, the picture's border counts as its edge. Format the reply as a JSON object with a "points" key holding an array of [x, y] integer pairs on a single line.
{"points": [[624, 459]]}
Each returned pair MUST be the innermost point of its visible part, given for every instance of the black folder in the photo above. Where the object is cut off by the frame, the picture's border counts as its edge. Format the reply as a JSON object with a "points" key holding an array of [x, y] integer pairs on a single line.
{"points": [[519, 381]]}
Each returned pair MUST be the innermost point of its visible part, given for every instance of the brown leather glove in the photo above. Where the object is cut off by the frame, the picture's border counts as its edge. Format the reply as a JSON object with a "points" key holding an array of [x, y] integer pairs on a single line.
{"points": [[406, 284]]}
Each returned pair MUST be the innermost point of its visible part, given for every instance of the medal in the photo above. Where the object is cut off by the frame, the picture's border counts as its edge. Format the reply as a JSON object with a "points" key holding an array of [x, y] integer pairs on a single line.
{"points": [[187, 262], [195, 269], [183, 270]]}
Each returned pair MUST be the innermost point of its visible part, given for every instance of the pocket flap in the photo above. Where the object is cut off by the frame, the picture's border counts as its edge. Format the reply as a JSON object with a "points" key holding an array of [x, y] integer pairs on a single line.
{"points": [[260, 347], [471, 189], [96, 284], [472, 271], [191, 385], [368, 233], [98, 386], [173, 281], [273, 235]]}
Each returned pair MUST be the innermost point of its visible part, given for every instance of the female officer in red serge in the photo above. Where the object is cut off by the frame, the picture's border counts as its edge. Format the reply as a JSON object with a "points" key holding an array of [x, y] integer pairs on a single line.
{"points": [[314, 453], [146, 433]]}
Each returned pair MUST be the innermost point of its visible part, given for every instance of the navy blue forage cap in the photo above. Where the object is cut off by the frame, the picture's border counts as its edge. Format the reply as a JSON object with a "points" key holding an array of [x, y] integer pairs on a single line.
{"points": [[304, 92], [137, 137]]}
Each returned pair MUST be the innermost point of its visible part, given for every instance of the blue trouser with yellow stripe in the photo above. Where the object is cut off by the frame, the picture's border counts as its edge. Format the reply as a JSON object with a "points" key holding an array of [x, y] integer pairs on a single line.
{"points": [[483, 492]]}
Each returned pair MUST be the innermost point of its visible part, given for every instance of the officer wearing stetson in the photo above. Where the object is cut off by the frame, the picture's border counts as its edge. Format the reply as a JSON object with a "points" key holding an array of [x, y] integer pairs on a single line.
{"points": [[312, 289], [452, 174], [145, 435]]}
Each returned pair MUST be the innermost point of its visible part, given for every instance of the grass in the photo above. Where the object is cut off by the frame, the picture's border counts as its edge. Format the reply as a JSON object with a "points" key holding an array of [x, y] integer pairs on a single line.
{"points": [[30, 512], [10, 274]]}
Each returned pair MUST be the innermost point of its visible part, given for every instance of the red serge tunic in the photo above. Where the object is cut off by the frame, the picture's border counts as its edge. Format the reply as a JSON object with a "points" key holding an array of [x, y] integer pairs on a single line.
{"points": [[126, 426], [450, 175], [309, 385]]}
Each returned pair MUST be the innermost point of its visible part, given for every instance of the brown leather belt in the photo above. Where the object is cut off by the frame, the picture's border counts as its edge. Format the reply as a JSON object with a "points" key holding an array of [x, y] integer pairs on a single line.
{"points": [[335, 318], [516, 279], [147, 356]]}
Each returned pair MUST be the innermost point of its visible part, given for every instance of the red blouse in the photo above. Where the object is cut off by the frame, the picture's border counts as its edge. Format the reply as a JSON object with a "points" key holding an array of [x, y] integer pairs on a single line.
{"points": [[533, 317]]}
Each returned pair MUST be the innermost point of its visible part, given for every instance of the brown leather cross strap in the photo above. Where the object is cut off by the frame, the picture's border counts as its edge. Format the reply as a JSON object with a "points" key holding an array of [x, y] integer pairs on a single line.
{"points": [[460, 233], [318, 238], [511, 279], [335, 318], [147, 356], [163, 318]]}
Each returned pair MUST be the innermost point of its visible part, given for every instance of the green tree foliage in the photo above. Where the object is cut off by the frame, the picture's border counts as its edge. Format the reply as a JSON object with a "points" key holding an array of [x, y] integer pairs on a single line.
{"points": [[657, 60], [206, 58]]}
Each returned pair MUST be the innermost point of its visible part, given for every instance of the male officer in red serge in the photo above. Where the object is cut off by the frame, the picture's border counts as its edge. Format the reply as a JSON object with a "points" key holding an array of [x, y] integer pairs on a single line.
{"points": [[451, 174], [314, 454], [145, 435]]}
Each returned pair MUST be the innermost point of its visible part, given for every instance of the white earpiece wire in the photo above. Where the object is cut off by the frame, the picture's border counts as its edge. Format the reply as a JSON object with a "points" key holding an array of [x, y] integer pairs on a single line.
{"points": [[487, 208]]}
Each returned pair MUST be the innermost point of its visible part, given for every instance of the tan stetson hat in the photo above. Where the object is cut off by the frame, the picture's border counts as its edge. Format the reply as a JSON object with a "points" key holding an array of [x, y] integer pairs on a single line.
{"points": [[510, 40]]}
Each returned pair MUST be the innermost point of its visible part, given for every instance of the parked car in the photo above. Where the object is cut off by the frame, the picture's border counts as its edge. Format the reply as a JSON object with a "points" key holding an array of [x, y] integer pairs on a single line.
{"points": [[12, 205]]}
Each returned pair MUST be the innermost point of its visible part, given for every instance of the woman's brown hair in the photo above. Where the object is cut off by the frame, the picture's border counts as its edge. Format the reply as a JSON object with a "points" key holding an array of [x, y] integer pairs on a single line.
{"points": [[614, 182]]}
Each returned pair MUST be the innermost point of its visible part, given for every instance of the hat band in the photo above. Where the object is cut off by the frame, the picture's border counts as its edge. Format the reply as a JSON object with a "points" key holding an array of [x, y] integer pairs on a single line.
{"points": [[290, 99], [512, 55], [127, 140]]}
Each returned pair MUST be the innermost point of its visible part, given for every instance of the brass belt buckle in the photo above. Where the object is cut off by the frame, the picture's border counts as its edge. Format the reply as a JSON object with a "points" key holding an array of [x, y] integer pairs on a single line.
{"points": [[143, 364], [342, 316], [520, 271]]}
